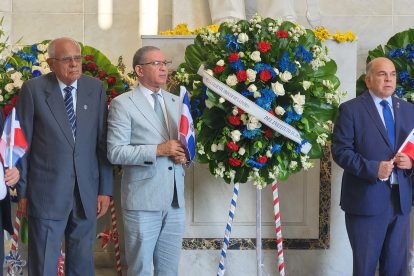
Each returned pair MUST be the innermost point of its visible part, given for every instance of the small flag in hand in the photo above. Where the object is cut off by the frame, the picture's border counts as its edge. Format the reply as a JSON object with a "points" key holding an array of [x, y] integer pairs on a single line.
{"points": [[13, 144], [187, 135], [408, 145]]}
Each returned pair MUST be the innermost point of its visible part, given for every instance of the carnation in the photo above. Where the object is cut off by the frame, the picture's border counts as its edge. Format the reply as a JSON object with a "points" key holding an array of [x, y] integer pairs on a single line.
{"points": [[255, 56]]}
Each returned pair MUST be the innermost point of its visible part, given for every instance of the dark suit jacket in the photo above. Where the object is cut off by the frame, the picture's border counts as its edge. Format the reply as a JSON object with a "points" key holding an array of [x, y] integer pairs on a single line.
{"points": [[360, 142], [5, 207], [55, 161]]}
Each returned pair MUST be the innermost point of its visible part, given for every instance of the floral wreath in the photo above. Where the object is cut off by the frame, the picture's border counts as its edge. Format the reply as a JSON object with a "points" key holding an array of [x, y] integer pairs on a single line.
{"points": [[28, 62], [400, 50], [281, 67]]}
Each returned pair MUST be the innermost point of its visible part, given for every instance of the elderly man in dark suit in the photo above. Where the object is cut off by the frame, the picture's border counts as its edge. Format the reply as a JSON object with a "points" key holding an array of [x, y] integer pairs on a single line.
{"points": [[376, 184], [65, 176]]}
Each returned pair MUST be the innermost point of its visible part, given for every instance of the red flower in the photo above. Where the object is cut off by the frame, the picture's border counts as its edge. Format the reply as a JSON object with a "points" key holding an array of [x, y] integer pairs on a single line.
{"points": [[218, 69], [101, 74], [88, 57], [114, 93], [91, 66], [268, 133], [262, 159], [241, 76], [282, 34], [265, 75], [240, 111], [263, 46], [232, 146], [111, 80], [233, 57], [271, 111], [234, 162], [234, 120], [8, 107]]}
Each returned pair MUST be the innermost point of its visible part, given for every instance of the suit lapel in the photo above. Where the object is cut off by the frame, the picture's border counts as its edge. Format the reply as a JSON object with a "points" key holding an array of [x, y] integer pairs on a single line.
{"points": [[83, 103], [172, 112], [54, 100], [397, 116], [373, 112], [141, 102]]}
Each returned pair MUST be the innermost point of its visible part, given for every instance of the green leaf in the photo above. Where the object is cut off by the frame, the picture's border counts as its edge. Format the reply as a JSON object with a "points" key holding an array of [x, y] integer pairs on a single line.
{"points": [[24, 230]]}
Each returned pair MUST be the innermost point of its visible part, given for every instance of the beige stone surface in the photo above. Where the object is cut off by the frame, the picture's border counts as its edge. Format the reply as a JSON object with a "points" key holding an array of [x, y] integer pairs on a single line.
{"points": [[5, 5], [47, 6]]}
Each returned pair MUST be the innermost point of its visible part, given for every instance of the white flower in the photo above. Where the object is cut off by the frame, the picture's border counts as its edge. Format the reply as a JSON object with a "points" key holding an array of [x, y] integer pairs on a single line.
{"points": [[213, 147], [328, 84], [242, 38], [298, 109], [243, 118], [210, 72], [279, 110], [251, 75], [253, 123], [18, 83], [200, 148], [268, 154], [412, 97], [42, 47], [41, 57], [9, 87], [298, 99], [241, 151], [276, 70], [219, 171], [293, 165], [220, 62], [1, 98], [195, 84], [222, 100], [235, 111], [220, 147], [257, 94], [321, 139], [306, 85], [278, 88], [285, 76], [241, 54], [255, 56], [235, 135], [16, 76], [231, 80], [306, 164], [209, 104], [252, 88], [230, 174]]}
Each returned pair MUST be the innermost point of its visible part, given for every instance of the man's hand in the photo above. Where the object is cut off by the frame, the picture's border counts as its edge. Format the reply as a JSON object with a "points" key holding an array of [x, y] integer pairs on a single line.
{"points": [[11, 176], [403, 161], [180, 160], [171, 148], [385, 169], [103, 204]]}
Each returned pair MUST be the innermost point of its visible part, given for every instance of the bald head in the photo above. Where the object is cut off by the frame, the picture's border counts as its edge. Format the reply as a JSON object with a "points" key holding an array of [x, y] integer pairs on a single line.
{"points": [[381, 77]]}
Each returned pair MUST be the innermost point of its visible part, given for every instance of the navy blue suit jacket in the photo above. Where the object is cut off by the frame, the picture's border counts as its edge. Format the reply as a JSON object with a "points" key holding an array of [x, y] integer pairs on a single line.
{"points": [[360, 143]]}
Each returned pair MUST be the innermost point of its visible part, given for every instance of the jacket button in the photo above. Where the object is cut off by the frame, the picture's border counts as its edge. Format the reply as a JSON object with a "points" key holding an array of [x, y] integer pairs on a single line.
{"points": [[170, 168]]}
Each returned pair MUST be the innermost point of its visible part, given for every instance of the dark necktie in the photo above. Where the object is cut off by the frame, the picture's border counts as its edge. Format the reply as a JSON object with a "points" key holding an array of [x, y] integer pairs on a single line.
{"points": [[389, 122], [158, 109], [69, 108]]}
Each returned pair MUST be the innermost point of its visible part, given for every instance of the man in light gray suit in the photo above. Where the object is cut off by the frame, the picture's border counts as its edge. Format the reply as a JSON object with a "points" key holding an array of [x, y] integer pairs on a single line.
{"points": [[65, 176], [142, 137]]}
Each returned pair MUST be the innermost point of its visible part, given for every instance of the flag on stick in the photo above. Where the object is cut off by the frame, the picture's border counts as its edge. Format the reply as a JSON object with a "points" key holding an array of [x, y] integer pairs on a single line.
{"points": [[186, 132], [408, 146]]}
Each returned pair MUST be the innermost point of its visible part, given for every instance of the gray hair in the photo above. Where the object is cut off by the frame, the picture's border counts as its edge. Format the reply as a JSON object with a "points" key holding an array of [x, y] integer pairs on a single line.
{"points": [[368, 68], [51, 48], [139, 56]]}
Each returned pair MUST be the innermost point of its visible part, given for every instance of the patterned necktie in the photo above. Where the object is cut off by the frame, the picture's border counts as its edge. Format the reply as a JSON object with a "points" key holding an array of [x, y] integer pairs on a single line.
{"points": [[158, 109], [69, 108], [389, 122]]}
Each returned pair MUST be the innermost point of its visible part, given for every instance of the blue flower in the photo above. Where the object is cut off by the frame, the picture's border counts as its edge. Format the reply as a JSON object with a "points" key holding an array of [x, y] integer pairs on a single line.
{"points": [[396, 53], [237, 65], [8, 66], [231, 43], [276, 148], [409, 47], [246, 93], [250, 133], [286, 65], [126, 86], [24, 68], [36, 73], [302, 54], [404, 76], [266, 100], [291, 116], [399, 92], [33, 49]]}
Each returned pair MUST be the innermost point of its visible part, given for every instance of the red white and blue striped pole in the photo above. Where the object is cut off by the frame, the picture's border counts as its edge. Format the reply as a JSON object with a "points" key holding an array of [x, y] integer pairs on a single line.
{"points": [[278, 225]]}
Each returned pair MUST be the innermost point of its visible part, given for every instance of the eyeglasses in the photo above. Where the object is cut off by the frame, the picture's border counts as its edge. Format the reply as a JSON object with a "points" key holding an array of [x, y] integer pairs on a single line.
{"points": [[67, 60], [158, 63]]}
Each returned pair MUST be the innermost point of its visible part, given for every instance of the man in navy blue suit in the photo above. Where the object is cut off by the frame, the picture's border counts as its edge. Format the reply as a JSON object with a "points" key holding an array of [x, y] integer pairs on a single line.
{"points": [[376, 184]]}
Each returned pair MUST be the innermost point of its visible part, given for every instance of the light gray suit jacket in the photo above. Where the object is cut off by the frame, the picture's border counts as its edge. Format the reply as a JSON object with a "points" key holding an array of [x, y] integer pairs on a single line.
{"points": [[56, 161], [134, 131]]}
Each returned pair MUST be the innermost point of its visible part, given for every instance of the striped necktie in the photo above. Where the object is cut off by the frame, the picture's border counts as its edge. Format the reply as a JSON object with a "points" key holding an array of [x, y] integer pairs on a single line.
{"points": [[158, 109], [69, 108]]}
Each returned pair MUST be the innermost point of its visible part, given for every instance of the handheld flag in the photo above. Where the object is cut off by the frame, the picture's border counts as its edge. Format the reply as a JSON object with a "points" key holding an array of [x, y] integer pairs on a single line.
{"points": [[408, 146], [13, 144], [186, 132]]}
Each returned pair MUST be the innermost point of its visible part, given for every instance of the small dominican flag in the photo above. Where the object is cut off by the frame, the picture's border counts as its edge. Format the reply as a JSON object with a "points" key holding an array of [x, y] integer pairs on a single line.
{"points": [[408, 146], [13, 144], [187, 135]]}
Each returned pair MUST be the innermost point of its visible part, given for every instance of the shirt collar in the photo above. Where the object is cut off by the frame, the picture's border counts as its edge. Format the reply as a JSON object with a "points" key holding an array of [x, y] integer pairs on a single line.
{"points": [[148, 92], [62, 85], [378, 100]]}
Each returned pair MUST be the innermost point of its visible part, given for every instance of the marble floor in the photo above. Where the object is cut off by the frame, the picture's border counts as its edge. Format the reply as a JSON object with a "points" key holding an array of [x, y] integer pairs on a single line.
{"points": [[102, 271]]}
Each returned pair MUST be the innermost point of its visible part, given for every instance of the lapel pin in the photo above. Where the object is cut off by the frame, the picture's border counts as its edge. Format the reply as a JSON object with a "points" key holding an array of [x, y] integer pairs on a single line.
{"points": [[398, 105], [85, 107]]}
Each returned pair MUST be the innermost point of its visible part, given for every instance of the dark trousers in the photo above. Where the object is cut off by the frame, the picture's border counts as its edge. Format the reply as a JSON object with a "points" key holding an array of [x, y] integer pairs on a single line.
{"points": [[382, 238], [45, 240]]}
